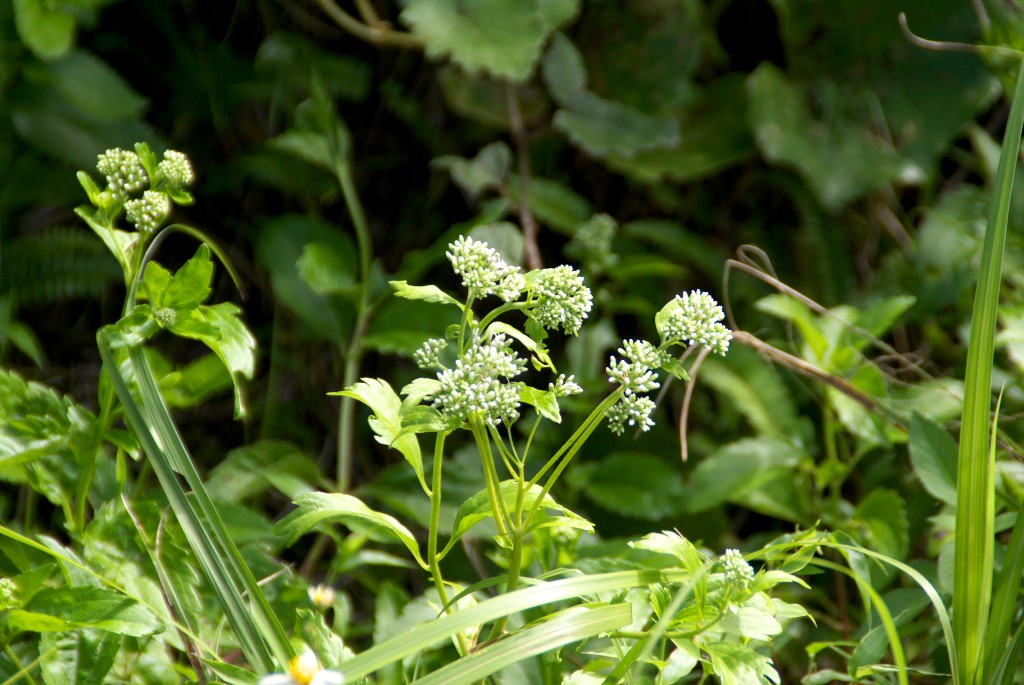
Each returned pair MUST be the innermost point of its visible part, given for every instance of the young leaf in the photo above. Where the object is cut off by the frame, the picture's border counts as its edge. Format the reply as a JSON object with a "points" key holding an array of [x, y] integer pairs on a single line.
{"points": [[543, 401], [426, 293], [320, 507], [386, 421], [478, 507], [190, 285], [79, 657]]}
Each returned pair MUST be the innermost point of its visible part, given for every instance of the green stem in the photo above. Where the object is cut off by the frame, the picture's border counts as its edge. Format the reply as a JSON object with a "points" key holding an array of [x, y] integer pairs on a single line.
{"points": [[498, 506], [354, 353], [567, 451]]}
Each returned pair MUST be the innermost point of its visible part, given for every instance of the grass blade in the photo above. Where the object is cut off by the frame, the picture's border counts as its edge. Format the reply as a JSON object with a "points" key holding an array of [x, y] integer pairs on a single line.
{"points": [[571, 625], [444, 627], [260, 634], [972, 577]]}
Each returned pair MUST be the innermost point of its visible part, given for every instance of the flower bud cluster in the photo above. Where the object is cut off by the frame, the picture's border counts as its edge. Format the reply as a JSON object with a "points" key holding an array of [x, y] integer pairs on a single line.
{"points": [[563, 301], [149, 211], [635, 372], [483, 270], [564, 386], [123, 170], [176, 168], [736, 569], [592, 243], [696, 319], [428, 356], [475, 387]]}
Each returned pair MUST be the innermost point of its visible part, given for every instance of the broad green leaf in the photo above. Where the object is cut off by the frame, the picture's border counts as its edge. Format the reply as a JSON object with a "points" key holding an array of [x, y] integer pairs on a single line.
{"points": [[597, 125], [386, 421], [632, 484], [121, 244], [250, 470], [503, 236], [884, 515], [327, 270], [81, 657], [788, 134], [426, 293], [68, 608], [93, 87], [134, 328], [751, 621], [478, 507], [193, 384], [673, 544], [933, 456], [316, 508], [45, 28], [501, 37], [747, 472], [755, 389]]}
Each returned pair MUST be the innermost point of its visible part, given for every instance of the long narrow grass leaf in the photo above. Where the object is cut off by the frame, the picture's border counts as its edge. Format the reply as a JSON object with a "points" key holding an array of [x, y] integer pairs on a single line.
{"points": [[972, 574], [255, 625], [1004, 604], [430, 633], [570, 625]]}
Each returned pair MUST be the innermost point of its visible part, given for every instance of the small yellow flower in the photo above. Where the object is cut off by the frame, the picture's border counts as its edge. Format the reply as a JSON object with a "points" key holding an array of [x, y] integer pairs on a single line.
{"points": [[304, 669], [322, 596]]}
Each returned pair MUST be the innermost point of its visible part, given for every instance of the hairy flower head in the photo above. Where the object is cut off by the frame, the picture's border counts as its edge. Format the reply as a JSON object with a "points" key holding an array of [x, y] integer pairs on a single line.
{"points": [[478, 386], [176, 168], [695, 318], [123, 170], [149, 211], [563, 301], [483, 270]]}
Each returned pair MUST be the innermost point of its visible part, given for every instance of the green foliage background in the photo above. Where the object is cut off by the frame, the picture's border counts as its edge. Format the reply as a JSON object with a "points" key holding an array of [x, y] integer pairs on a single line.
{"points": [[859, 164]]}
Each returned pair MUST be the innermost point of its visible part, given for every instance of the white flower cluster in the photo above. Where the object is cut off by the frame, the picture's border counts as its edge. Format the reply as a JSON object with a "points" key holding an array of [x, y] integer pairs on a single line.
{"points": [[149, 211], [475, 386], [696, 318], [736, 569], [635, 372], [123, 170], [564, 386], [483, 270], [563, 301], [176, 168], [428, 356]]}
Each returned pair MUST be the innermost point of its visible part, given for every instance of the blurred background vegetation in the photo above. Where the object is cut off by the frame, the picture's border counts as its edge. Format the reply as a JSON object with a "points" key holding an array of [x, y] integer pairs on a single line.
{"points": [[646, 141]]}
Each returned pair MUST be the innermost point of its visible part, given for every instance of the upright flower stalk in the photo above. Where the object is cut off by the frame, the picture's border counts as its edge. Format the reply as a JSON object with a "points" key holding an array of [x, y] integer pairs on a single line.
{"points": [[478, 386]]}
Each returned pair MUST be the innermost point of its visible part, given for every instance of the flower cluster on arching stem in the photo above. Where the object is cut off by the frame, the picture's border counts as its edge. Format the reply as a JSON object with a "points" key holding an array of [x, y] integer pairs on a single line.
{"points": [[690, 319]]}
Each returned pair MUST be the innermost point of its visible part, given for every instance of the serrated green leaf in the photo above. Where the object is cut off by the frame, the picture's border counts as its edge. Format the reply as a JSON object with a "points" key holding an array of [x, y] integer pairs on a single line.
{"points": [[93, 87], [328, 270], [487, 171], [501, 37], [134, 328], [320, 507], [45, 28], [328, 647], [386, 421], [68, 608], [737, 664], [564, 73], [933, 454], [543, 401], [672, 543], [121, 244], [426, 293], [478, 508], [190, 285]]}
